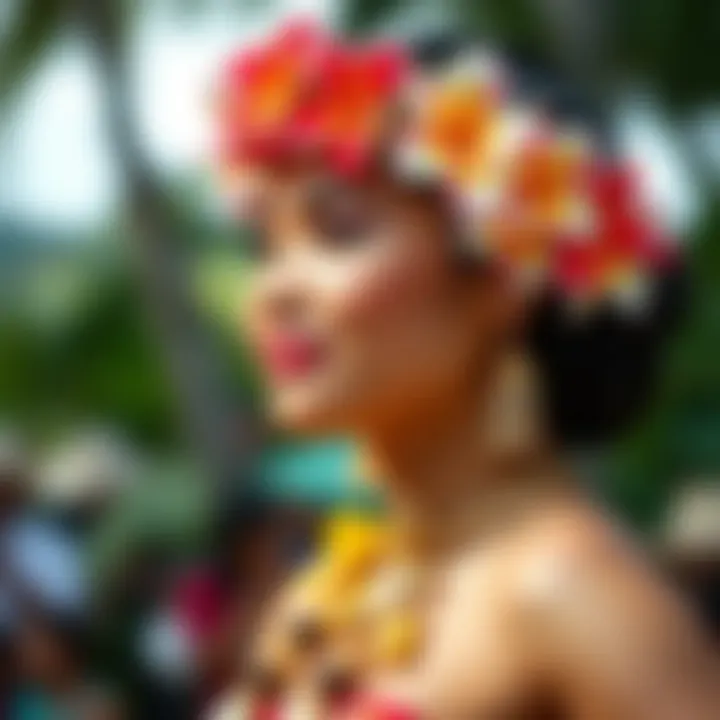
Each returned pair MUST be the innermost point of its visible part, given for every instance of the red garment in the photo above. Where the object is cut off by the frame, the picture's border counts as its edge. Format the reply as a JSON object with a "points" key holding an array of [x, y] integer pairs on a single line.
{"points": [[267, 711], [375, 708], [362, 708], [200, 603]]}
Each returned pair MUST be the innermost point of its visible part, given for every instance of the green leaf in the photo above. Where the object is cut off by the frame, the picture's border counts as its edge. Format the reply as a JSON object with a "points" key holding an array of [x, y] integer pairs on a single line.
{"points": [[37, 24]]}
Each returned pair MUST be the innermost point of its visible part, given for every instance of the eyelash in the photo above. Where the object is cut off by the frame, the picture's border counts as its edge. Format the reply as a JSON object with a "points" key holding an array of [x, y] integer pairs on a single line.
{"points": [[341, 228], [335, 229]]}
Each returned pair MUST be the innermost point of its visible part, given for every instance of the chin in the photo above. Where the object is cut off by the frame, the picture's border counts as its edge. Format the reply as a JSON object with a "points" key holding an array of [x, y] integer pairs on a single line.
{"points": [[309, 415]]}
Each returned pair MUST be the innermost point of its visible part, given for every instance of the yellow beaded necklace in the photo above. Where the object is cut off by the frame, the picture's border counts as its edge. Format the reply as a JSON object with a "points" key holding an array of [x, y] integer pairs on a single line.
{"points": [[361, 586]]}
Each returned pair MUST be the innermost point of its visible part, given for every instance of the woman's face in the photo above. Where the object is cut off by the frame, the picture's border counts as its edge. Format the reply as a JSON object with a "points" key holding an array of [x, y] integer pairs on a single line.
{"points": [[359, 312]]}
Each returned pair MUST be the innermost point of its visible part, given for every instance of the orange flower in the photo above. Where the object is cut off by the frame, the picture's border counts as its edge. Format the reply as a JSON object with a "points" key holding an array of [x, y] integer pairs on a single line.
{"points": [[548, 179], [454, 126], [543, 198], [518, 241]]}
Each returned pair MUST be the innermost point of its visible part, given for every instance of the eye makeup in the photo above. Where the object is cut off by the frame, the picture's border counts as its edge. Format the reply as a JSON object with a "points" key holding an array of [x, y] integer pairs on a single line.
{"points": [[340, 214]]}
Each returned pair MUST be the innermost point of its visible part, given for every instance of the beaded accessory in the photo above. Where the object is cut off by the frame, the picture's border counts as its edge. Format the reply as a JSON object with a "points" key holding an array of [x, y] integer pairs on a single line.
{"points": [[535, 197], [359, 595]]}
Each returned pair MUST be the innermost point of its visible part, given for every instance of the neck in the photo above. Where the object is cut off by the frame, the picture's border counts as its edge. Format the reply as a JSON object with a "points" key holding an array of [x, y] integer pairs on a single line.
{"points": [[443, 476]]}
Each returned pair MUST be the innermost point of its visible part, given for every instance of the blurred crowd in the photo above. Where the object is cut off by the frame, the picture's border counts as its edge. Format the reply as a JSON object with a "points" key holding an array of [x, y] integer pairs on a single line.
{"points": [[162, 632]]}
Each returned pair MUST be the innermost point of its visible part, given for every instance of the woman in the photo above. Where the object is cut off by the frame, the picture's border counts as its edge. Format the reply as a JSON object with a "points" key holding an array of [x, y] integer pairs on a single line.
{"points": [[469, 289]]}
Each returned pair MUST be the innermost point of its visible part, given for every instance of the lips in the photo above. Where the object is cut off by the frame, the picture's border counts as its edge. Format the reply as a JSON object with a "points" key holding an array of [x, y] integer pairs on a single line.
{"points": [[289, 357]]}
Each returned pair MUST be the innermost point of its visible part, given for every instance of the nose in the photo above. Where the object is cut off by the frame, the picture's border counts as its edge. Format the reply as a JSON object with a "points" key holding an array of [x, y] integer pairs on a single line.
{"points": [[283, 291]]}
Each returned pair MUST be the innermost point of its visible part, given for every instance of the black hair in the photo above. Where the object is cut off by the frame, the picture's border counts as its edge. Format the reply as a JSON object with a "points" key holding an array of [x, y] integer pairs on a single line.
{"points": [[599, 371]]}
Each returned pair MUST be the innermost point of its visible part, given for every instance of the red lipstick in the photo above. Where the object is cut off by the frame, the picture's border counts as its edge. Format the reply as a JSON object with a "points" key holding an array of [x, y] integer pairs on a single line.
{"points": [[290, 356]]}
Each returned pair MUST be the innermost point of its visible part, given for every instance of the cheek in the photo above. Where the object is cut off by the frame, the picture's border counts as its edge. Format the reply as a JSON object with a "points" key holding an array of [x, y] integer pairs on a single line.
{"points": [[380, 290], [403, 304]]}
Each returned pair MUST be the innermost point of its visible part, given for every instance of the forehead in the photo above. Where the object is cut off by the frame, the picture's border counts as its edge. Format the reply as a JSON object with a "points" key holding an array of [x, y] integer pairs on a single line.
{"points": [[306, 182], [304, 189]]}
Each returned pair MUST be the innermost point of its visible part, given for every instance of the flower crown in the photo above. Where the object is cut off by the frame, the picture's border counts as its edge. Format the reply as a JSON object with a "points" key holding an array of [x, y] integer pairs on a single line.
{"points": [[537, 198]]}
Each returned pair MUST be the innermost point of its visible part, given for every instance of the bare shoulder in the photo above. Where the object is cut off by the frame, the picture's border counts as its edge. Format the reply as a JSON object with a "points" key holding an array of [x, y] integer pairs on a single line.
{"points": [[578, 554], [571, 547], [594, 607], [557, 570]]}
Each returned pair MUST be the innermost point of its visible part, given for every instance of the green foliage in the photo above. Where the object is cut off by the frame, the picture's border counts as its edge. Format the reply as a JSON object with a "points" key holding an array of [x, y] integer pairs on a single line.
{"points": [[513, 22], [673, 43], [361, 16], [35, 28], [97, 363], [95, 356], [78, 345], [679, 438]]}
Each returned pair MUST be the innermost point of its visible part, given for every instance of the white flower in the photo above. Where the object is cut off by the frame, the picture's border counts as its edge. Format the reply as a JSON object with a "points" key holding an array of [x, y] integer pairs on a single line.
{"points": [[484, 68], [632, 293]]}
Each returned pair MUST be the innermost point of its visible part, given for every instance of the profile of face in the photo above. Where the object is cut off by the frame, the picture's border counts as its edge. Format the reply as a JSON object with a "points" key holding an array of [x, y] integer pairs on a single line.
{"points": [[360, 311]]}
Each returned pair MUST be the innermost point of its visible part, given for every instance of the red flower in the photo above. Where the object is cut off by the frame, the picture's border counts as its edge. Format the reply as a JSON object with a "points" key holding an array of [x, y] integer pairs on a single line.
{"points": [[263, 88], [624, 245], [355, 90]]}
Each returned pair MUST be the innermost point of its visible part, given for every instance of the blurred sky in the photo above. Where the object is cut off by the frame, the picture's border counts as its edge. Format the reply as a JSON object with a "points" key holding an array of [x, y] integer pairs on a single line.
{"points": [[56, 164]]}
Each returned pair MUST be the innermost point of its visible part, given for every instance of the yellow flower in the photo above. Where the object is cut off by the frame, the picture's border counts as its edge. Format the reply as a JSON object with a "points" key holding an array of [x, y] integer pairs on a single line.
{"points": [[354, 542], [397, 639]]}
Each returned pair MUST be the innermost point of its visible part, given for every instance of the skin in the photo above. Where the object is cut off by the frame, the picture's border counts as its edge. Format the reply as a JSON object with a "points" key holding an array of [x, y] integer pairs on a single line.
{"points": [[539, 605]]}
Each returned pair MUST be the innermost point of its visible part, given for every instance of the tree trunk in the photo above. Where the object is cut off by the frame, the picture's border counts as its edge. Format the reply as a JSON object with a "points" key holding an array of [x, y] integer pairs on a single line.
{"points": [[219, 435]]}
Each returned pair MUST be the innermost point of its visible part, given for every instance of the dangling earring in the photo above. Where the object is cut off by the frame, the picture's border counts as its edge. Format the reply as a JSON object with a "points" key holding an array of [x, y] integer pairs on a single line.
{"points": [[513, 424]]}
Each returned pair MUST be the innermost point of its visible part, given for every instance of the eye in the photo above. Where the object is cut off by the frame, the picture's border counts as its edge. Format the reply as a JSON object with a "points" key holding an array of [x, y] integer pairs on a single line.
{"points": [[341, 216]]}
